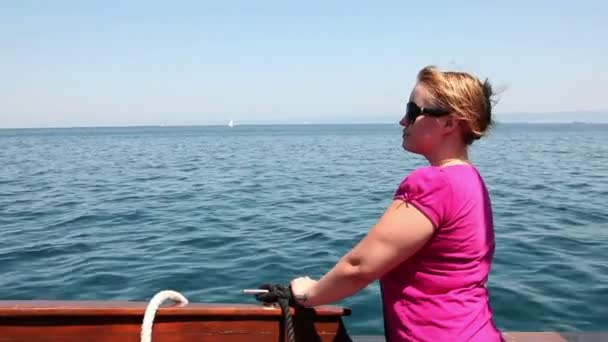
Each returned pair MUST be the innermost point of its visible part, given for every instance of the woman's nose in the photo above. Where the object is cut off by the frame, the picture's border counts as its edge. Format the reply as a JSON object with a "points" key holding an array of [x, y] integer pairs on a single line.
{"points": [[403, 122]]}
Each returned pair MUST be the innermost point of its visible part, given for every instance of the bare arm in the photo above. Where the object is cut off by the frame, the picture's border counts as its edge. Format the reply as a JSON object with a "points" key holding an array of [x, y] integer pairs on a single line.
{"points": [[399, 233]]}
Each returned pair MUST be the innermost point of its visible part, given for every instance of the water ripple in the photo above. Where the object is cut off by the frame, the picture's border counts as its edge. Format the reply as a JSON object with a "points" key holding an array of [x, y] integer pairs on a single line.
{"points": [[123, 213]]}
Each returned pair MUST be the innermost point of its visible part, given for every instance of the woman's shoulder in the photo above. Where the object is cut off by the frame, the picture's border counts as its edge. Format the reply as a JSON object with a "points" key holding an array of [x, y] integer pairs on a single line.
{"points": [[427, 174], [441, 179], [444, 174], [428, 189], [424, 180]]}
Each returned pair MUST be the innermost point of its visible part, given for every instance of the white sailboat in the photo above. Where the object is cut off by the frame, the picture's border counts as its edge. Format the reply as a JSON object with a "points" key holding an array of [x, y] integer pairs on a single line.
{"points": [[231, 123]]}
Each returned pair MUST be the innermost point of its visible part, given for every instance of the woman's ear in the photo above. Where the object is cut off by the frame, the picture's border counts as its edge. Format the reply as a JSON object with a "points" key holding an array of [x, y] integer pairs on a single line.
{"points": [[450, 123]]}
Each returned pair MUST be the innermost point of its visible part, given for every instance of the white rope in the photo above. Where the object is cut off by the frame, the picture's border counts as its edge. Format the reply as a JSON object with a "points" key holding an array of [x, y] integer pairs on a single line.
{"points": [[153, 305]]}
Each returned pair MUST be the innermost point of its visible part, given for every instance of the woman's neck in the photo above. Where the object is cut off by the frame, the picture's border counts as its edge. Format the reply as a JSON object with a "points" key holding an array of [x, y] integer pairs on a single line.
{"points": [[446, 157]]}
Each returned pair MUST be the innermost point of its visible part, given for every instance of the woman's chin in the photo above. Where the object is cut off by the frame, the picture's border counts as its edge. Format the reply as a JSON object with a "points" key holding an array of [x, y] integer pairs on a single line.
{"points": [[406, 146], [409, 148]]}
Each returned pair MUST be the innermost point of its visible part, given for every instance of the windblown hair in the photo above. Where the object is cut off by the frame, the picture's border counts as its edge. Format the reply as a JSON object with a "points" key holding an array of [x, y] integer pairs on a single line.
{"points": [[469, 98]]}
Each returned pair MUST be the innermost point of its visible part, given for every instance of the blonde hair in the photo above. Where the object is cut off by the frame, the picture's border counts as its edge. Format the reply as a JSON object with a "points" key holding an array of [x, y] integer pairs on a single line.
{"points": [[464, 94]]}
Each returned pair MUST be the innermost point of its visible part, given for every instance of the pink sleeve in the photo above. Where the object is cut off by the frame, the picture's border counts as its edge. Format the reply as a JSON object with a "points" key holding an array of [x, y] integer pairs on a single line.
{"points": [[428, 190]]}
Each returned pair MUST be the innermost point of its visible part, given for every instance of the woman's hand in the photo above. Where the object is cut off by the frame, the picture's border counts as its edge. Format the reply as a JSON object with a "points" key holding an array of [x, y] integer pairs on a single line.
{"points": [[300, 289]]}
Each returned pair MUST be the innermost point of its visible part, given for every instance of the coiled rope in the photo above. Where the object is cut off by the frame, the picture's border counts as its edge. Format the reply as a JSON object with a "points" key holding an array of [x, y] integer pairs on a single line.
{"points": [[153, 305], [282, 295], [275, 294]]}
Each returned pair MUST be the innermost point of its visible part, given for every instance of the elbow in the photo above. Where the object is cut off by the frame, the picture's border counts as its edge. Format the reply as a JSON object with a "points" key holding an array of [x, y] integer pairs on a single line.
{"points": [[360, 271], [368, 275]]}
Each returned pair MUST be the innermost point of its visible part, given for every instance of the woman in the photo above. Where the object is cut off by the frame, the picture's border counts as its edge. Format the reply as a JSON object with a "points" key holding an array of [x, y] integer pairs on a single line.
{"points": [[433, 247]]}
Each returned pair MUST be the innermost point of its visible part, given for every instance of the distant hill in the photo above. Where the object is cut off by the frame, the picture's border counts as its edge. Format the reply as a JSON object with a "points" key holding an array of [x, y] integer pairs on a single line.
{"points": [[593, 116], [587, 116]]}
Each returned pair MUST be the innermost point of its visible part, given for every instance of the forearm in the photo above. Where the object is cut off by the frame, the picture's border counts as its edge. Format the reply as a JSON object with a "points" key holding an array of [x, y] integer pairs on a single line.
{"points": [[388, 244], [343, 280]]}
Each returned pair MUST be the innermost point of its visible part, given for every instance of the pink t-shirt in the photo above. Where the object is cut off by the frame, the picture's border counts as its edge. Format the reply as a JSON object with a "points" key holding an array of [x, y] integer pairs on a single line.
{"points": [[439, 294]]}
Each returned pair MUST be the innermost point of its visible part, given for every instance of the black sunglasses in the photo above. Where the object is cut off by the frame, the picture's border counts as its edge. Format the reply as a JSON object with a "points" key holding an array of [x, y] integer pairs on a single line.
{"points": [[413, 111]]}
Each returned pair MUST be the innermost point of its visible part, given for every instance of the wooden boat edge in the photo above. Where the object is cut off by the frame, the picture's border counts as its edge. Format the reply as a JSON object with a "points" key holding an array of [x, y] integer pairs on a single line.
{"points": [[128, 312], [16, 308]]}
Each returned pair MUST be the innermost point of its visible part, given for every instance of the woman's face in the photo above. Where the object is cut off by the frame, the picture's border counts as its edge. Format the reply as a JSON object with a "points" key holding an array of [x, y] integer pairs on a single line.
{"points": [[422, 135]]}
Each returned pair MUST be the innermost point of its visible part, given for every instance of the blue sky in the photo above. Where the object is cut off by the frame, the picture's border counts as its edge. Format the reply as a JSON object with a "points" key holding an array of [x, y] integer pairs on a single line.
{"points": [[87, 63]]}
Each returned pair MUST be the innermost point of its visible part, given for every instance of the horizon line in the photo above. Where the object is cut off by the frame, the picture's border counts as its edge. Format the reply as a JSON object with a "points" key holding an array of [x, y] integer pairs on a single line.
{"points": [[573, 122]]}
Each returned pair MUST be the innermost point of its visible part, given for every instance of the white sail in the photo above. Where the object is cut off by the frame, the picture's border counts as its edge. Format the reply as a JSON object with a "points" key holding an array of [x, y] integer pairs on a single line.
{"points": [[231, 123]]}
